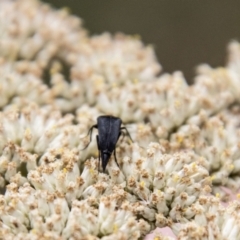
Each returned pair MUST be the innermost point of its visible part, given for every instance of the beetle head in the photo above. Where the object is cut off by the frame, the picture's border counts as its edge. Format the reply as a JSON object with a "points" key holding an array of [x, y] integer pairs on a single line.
{"points": [[105, 159]]}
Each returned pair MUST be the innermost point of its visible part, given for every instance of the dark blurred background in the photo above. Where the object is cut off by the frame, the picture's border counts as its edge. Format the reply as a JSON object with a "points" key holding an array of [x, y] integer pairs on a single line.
{"points": [[184, 33]]}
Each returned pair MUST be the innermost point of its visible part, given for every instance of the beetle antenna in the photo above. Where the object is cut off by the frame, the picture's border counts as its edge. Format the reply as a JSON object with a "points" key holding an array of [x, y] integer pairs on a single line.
{"points": [[115, 157], [89, 133], [99, 153], [124, 128], [90, 130], [123, 134]]}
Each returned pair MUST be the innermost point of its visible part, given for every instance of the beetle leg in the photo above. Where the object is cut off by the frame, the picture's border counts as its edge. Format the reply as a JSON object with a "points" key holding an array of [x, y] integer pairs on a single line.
{"points": [[99, 157], [99, 153], [115, 157], [90, 133], [123, 134], [124, 128], [114, 152]]}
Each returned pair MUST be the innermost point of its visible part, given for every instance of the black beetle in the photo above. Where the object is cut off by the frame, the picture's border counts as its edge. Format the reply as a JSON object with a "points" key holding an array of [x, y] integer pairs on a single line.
{"points": [[109, 131]]}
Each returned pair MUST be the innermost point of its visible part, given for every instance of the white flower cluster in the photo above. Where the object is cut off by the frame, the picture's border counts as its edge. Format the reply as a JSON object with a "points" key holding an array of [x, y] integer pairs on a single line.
{"points": [[32, 128], [150, 181], [106, 71], [24, 136], [99, 65], [55, 81], [18, 89], [48, 216], [35, 136], [167, 101], [216, 139], [211, 221], [31, 30], [45, 42], [166, 183]]}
